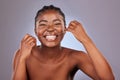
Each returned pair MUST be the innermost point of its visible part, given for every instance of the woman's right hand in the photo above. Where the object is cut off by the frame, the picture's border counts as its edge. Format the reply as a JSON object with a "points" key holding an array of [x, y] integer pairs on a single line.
{"points": [[27, 43]]}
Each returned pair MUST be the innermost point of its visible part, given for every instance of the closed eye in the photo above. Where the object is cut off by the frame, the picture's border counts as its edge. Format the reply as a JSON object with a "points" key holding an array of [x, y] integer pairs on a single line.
{"points": [[42, 25], [57, 23]]}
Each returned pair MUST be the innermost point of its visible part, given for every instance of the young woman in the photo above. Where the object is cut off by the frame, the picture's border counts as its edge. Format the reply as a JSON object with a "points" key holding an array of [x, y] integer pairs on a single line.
{"points": [[51, 61]]}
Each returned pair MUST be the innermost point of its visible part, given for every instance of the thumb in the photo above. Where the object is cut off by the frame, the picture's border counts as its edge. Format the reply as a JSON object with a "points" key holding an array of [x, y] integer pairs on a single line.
{"points": [[69, 29]]}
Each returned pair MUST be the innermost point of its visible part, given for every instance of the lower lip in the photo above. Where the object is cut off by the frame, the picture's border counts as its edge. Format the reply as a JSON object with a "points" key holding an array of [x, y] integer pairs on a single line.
{"points": [[50, 40]]}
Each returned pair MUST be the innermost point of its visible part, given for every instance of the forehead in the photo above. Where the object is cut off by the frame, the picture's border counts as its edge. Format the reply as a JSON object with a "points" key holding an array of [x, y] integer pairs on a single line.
{"points": [[49, 15]]}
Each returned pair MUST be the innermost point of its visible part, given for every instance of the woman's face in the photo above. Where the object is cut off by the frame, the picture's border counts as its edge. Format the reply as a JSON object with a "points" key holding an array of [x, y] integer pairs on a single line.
{"points": [[50, 28]]}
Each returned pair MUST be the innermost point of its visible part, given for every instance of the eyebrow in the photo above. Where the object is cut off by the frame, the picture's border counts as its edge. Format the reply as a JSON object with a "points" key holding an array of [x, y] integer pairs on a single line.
{"points": [[47, 21], [56, 20], [43, 21]]}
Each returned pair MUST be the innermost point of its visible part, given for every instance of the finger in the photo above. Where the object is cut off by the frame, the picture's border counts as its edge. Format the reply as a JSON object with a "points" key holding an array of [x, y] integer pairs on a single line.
{"points": [[31, 40], [76, 22], [72, 25], [28, 39], [69, 29], [26, 36]]}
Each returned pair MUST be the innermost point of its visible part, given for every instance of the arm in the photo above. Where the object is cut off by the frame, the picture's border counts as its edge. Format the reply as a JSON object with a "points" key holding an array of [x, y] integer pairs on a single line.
{"points": [[19, 67], [84, 63], [19, 64], [100, 64]]}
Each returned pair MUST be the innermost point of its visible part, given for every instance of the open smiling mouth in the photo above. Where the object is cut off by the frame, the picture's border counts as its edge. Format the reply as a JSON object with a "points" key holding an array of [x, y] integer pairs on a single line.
{"points": [[50, 37]]}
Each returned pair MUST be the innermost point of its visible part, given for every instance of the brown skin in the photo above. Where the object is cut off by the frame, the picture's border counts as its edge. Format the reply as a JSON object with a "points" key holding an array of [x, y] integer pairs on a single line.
{"points": [[50, 61]]}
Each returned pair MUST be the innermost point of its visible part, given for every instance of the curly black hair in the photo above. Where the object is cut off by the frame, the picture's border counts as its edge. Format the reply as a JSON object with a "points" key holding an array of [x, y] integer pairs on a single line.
{"points": [[50, 7]]}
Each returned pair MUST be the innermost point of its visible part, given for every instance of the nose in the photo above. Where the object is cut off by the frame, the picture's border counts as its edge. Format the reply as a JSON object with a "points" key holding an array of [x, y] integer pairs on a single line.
{"points": [[50, 28]]}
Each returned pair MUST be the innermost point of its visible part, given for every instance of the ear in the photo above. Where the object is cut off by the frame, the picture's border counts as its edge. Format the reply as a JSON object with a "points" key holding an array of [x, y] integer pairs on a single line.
{"points": [[65, 30], [35, 25], [35, 30]]}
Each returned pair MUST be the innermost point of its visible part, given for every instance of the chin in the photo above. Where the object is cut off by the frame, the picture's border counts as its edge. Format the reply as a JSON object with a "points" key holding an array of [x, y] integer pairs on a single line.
{"points": [[50, 45]]}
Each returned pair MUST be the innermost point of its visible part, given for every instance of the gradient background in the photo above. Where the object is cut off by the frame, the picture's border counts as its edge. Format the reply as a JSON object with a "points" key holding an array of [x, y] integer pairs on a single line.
{"points": [[101, 20]]}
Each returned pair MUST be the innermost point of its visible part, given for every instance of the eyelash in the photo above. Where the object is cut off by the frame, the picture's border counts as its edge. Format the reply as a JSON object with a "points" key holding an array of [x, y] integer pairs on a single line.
{"points": [[42, 25], [57, 23]]}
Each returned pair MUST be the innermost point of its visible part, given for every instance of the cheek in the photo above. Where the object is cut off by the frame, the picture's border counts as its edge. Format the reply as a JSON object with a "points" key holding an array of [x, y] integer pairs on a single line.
{"points": [[39, 32], [61, 29]]}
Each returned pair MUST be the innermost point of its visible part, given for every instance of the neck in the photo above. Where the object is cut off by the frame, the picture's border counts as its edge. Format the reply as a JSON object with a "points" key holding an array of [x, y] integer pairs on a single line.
{"points": [[51, 52]]}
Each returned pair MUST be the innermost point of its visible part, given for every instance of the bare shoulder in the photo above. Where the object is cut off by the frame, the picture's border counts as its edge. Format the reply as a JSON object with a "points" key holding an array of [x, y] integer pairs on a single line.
{"points": [[78, 57], [75, 53]]}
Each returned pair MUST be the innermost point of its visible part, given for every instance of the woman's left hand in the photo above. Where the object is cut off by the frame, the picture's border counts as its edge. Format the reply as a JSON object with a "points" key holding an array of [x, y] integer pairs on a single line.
{"points": [[77, 30]]}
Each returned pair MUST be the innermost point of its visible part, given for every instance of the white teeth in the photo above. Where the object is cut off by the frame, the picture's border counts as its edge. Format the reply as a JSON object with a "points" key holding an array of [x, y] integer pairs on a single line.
{"points": [[50, 38]]}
